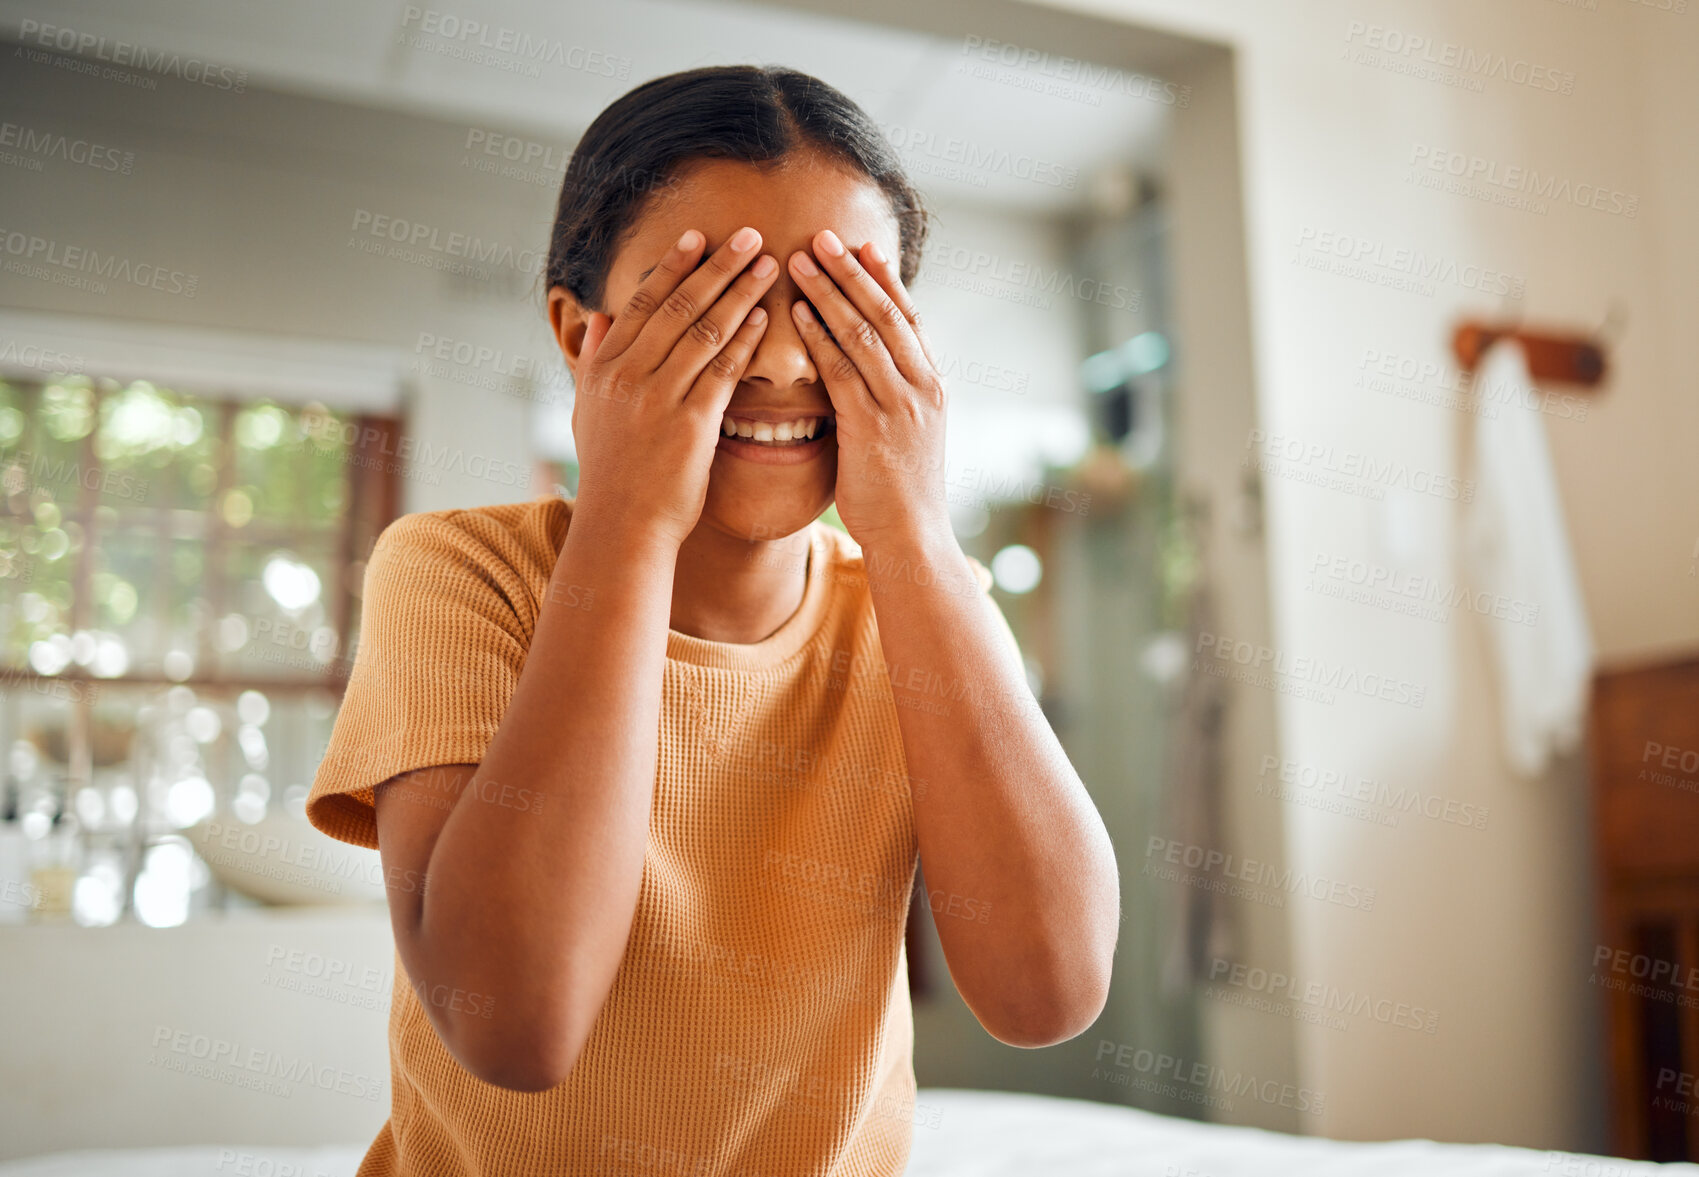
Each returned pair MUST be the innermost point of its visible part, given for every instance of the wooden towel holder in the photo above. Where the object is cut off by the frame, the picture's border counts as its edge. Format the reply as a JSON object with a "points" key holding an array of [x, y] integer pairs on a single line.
{"points": [[1553, 357]]}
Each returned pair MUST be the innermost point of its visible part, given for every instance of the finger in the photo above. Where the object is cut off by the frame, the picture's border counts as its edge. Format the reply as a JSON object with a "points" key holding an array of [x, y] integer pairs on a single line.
{"points": [[594, 335], [841, 326], [843, 379], [875, 307], [683, 308], [713, 389], [675, 265], [890, 278], [704, 339], [603, 381]]}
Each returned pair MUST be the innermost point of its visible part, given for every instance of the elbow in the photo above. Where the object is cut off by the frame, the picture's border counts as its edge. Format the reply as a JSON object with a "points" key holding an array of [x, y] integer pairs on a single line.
{"points": [[1058, 994], [521, 1074], [1039, 1023], [526, 1063], [1040, 1015]]}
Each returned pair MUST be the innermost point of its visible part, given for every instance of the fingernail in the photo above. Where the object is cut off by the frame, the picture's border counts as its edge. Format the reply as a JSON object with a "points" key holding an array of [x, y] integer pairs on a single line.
{"points": [[764, 266], [690, 240], [744, 240], [805, 265], [800, 309], [756, 316], [874, 252], [829, 244]]}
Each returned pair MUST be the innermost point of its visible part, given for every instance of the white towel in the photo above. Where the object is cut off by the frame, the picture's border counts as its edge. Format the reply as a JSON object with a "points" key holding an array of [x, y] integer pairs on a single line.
{"points": [[1518, 554]]}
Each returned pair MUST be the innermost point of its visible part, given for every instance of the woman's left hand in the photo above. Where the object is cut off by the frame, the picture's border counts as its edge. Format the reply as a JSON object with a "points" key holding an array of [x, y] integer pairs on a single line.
{"points": [[886, 394]]}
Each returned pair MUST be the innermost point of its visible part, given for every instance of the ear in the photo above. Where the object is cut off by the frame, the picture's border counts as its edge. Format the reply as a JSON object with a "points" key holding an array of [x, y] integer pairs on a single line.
{"points": [[569, 320]]}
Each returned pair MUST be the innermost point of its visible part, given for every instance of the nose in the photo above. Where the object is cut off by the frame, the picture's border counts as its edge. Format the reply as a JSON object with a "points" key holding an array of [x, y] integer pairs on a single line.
{"points": [[781, 360]]}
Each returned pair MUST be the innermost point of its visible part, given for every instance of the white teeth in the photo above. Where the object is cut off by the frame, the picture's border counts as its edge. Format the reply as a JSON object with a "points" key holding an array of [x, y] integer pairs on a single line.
{"points": [[769, 432]]}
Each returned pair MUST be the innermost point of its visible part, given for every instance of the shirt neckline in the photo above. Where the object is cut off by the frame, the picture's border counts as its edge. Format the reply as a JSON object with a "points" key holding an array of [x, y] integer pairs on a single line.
{"points": [[796, 632]]}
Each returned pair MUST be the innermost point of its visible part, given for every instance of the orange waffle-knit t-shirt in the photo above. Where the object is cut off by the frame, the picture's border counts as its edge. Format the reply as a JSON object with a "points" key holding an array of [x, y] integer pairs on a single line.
{"points": [[759, 1024]]}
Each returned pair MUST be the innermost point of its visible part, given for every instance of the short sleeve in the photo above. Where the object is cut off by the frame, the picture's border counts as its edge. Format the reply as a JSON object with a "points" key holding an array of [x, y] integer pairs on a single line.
{"points": [[441, 647], [983, 575]]}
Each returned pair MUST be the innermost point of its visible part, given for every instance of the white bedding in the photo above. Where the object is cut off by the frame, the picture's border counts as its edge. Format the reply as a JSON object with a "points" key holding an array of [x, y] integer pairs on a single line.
{"points": [[984, 1134]]}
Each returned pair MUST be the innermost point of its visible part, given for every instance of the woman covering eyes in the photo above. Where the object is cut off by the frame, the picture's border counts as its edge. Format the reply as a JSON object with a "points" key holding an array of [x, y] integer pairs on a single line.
{"points": [[650, 770]]}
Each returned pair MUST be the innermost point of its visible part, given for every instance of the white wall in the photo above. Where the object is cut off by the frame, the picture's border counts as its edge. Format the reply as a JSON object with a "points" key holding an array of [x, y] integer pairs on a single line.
{"points": [[111, 1039], [260, 205], [1490, 928]]}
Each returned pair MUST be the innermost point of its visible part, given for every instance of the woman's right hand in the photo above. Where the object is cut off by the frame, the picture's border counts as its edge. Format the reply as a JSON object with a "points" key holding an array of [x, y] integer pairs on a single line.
{"points": [[653, 383]]}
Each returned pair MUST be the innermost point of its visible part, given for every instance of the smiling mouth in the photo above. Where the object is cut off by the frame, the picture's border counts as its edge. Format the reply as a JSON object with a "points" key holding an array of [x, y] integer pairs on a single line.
{"points": [[777, 434]]}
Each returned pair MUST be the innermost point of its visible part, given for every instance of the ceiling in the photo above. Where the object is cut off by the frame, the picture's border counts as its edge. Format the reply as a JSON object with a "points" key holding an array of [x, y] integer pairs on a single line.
{"points": [[995, 141]]}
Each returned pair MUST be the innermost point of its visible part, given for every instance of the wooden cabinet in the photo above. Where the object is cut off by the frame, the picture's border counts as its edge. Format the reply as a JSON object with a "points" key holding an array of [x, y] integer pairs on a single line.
{"points": [[1645, 753]]}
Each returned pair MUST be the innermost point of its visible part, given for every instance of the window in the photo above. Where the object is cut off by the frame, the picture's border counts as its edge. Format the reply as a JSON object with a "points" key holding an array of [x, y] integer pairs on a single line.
{"points": [[179, 603]]}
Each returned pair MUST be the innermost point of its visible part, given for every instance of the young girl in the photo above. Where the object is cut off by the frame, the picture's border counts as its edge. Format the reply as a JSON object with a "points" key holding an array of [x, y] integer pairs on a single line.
{"points": [[650, 770]]}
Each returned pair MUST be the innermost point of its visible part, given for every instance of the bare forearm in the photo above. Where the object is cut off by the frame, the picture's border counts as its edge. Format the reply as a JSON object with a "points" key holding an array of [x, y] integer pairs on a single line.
{"points": [[1001, 816], [530, 896]]}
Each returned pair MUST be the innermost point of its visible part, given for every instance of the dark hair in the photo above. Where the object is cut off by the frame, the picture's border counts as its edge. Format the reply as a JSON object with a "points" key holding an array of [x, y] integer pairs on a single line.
{"points": [[757, 114]]}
